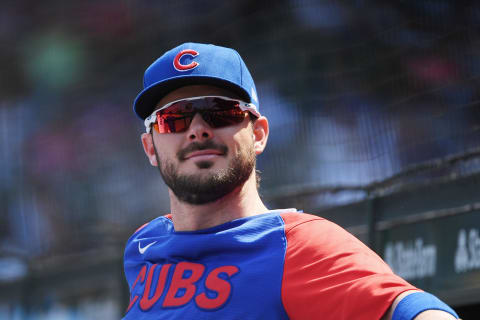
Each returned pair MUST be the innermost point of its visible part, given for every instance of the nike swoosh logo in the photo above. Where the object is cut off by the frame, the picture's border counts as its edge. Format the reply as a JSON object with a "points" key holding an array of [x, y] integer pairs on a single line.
{"points": [[142, 250]]}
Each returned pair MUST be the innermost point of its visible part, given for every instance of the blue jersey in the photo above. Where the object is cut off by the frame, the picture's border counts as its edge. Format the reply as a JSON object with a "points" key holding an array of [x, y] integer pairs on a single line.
{"points": [[278, 265]]}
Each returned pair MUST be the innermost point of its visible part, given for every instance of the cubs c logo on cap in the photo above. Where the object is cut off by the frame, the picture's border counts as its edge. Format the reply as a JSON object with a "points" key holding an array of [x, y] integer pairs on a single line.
{"points": [[185, 67]]}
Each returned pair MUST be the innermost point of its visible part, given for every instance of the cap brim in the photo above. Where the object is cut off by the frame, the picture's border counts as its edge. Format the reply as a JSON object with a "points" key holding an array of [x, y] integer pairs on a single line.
{"points": [[146, 100]]}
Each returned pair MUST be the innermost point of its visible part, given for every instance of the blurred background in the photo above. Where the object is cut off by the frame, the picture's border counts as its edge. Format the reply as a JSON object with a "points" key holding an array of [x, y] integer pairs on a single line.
{"points": [[375, 124]]}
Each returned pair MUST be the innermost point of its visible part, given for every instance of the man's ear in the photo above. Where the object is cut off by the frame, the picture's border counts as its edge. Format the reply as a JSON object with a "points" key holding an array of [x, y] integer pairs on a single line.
{"points": [[260, 134], [149, 148]]}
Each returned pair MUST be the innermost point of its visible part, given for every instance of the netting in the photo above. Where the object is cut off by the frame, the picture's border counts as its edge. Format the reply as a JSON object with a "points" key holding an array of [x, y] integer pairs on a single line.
{"points": [[362, 97]]}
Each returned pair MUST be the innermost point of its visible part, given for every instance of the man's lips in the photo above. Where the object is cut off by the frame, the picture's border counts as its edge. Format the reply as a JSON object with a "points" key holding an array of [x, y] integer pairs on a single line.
{"points": [[204, 154], [206, 149]]}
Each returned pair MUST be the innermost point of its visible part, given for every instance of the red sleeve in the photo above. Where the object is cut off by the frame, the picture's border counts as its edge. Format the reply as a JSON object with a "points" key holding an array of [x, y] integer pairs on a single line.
{"points": [[330, 274]]}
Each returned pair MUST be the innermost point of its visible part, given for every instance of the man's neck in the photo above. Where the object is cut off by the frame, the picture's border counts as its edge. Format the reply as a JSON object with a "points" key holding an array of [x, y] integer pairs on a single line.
{"points": [[242, 202]]}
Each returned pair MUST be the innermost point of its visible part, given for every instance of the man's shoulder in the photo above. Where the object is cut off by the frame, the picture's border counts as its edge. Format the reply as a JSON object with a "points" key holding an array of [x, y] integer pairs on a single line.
{"points": [[320, 231], [293, 219]]}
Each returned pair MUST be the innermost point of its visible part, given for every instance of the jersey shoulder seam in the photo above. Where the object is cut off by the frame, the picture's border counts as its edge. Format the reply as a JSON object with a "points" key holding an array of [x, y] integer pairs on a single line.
{"points": [[300, 220]]}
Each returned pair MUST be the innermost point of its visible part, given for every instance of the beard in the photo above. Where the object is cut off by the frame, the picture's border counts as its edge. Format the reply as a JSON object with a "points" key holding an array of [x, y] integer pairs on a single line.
{"points": [[206, 187]]}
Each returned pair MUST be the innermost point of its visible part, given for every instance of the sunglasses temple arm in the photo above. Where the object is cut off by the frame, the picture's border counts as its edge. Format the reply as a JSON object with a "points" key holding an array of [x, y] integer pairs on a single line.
{"points": [[148, 123], [250, 107]]}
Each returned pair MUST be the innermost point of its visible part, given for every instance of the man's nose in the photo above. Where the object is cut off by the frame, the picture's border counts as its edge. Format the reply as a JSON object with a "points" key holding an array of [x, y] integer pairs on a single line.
{"points": [[199, 129]]}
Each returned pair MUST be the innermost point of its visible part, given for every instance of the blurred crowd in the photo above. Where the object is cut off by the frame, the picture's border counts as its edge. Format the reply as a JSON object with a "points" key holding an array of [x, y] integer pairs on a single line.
{"points": [[355, 92]]}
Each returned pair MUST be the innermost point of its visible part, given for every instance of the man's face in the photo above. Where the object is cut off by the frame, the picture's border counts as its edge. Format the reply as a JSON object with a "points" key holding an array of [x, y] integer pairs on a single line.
{"points": [[204, 164]]}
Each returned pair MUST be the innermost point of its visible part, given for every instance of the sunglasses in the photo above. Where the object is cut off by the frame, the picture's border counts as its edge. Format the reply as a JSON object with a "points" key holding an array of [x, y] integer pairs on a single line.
{"points": [[216, 111]]}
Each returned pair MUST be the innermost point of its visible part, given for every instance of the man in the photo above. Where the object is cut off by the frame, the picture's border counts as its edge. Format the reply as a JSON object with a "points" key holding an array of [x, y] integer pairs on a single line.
{"points": [[220, 253]]}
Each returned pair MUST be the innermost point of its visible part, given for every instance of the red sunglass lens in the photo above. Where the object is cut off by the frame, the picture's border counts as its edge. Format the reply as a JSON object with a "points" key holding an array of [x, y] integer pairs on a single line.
{"points": [[223, 118], [172, 123]]}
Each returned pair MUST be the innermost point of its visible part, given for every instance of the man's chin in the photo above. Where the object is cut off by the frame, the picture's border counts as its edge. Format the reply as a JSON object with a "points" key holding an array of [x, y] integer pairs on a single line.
{"points": [[206, 180]]}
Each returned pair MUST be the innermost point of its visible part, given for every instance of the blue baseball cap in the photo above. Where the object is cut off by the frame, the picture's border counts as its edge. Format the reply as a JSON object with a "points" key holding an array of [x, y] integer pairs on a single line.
{"points": [[194, 63]]}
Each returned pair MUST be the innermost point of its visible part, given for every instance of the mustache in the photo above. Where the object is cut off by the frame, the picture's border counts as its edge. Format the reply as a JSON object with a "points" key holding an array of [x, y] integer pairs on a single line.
{"points": [[197, 146]]}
